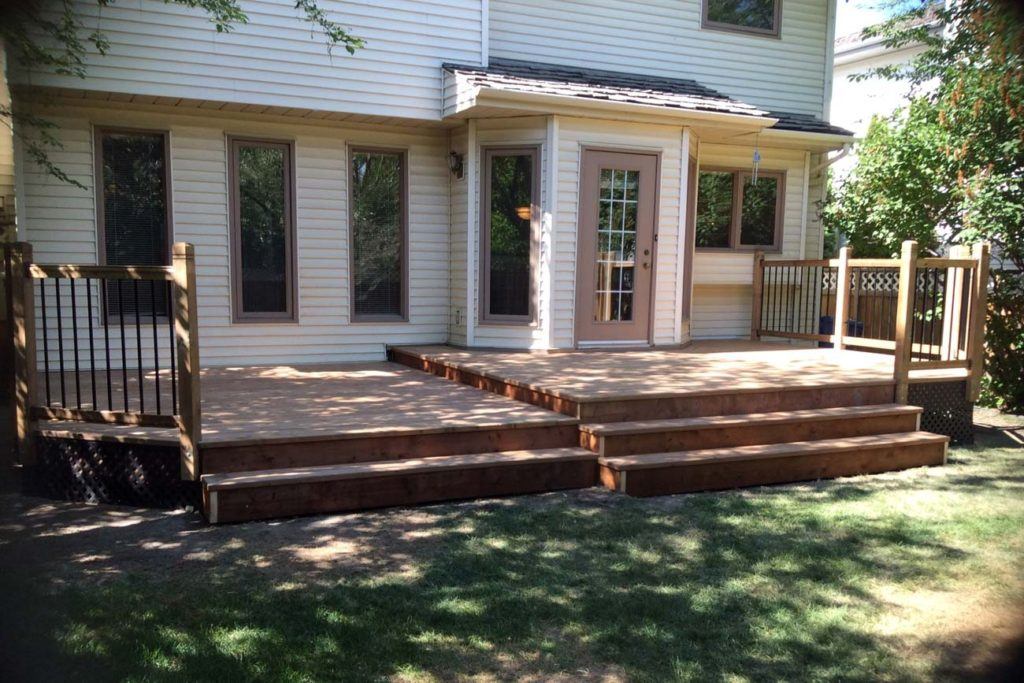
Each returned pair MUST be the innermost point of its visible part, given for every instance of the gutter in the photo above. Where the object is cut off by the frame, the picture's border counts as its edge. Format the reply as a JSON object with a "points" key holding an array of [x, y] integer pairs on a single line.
{"points": [[847, 148]]}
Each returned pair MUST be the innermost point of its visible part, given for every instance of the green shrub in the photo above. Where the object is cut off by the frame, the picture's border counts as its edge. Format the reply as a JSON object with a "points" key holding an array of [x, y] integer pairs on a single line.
{"points": [[1003, 384]]}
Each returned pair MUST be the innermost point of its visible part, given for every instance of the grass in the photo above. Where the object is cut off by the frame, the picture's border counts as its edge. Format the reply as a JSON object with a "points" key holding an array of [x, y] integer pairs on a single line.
{"points": [[910, 576]]}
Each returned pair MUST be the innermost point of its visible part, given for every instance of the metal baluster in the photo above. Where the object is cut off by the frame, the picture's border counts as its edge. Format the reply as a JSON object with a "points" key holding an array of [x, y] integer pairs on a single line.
{"points": [[174, 348], [156, 343], [60, 344], [138, 345], [46, 342], [105, 312], [124, 346], [74, 339], [92, 348]]}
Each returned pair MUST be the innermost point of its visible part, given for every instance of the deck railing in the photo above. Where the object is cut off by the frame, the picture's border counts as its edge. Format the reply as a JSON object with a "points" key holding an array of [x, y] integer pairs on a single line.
{"points": [[928, 312], [105, 344]]}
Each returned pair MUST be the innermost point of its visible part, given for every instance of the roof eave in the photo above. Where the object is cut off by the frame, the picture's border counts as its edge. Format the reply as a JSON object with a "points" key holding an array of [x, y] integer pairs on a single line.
{"points": [[820, 141]]}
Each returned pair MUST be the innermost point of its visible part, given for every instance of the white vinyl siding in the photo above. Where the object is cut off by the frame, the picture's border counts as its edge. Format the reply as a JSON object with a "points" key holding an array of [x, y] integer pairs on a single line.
{"points": [[665, 38], [277, 59], [59, 220]]}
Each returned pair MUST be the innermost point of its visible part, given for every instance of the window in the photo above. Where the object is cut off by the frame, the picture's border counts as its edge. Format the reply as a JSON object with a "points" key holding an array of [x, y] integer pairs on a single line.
{"points": [[263, 230], [748, 16], [132, 203], [509, 229], [378, 226], [734, 212]]}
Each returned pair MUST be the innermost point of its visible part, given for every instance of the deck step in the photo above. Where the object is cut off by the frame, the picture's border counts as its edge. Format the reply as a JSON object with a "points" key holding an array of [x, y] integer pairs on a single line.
{"points": [[696, 433], [656, 474], [262, 494]]}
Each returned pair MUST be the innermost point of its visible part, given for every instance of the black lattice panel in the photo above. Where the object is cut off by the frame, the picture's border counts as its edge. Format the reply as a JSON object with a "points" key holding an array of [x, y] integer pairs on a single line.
{"points": [[114, 473], [946, 409]]}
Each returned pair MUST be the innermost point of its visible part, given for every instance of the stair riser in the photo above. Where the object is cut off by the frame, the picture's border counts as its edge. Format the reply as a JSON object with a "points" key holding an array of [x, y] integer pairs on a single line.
{"points": [[270, 456], [716, 476], [749, 434], [776, 400], [240, 505]]}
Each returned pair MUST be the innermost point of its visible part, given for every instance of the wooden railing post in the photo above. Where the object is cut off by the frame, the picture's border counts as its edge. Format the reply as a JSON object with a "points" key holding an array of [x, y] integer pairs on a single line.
{"points": [[952, 307], [905, 320], [757, 304], [976, 329], [21, 306], [186, 333], [842, 298]]}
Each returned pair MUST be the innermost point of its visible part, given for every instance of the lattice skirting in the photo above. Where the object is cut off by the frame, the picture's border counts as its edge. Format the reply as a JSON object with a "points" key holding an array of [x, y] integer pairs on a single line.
{"points": [[114, 473], [946, 409]]}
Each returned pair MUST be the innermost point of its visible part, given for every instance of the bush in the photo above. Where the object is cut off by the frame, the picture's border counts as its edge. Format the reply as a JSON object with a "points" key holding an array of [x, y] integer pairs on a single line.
{"points": [[1003, 384]]}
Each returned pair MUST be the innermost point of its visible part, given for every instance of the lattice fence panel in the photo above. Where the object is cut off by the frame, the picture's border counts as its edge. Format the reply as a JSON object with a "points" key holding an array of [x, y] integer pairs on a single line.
{"points": [[946, 409]]}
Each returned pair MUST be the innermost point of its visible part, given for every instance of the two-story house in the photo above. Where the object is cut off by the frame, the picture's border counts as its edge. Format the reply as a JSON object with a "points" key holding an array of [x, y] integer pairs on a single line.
{"points": [[486, 173]]}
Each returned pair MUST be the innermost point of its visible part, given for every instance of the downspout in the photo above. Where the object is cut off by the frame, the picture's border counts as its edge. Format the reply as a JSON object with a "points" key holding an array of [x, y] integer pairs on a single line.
{"points": [[847, 148]]}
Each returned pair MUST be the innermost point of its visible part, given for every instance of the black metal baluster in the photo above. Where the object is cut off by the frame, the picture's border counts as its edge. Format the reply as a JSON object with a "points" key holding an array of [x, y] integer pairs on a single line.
{"points": [[46, 342], [138, 345], [156, 343], [764, 299], [74, 339], [174, 349], [124, 346], [105, 312], [60, 344], [791, 325], [92, 348], [918, 318]]}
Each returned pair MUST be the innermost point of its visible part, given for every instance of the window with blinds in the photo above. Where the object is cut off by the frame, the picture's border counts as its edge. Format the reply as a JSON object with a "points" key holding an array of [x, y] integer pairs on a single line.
{"points": [[378, 234], [263, 230], [133, 214]]}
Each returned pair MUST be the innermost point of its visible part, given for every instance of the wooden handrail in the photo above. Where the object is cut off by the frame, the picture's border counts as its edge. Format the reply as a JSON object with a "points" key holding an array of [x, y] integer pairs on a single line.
{"points": [[75, 272]]}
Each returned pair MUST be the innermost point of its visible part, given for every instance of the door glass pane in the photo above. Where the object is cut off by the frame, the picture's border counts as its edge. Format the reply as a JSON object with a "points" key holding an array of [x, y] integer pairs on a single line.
{"points": [[616, 245], [262, 215], [377, 217], [511, 211], [760, 200]]}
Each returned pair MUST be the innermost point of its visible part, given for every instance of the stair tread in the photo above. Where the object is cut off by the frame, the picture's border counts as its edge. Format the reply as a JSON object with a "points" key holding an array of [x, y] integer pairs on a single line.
{"points": [[299, 475], [793, 448], [712, 421]]}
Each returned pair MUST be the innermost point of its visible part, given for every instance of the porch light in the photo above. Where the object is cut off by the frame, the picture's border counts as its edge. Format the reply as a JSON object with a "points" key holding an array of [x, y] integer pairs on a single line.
{"points": [[455, 164], [523, 212]]}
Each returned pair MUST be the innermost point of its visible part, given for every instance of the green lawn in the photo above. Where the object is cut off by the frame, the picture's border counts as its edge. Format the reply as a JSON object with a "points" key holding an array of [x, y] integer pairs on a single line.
{"points": [[908, 576]]}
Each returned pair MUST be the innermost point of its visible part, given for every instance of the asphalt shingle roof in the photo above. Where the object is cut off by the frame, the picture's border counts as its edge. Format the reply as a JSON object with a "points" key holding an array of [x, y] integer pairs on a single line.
{"points": [[614, 86]]}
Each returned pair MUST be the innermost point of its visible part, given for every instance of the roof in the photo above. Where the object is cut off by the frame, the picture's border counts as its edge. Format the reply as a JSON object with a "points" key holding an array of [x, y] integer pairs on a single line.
{"points": [[616, 86], [852, 41]]}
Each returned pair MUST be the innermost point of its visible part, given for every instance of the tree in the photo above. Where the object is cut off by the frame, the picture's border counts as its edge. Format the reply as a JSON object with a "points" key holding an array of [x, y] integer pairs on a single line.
{"points": [[51, 35], [949, 167]]}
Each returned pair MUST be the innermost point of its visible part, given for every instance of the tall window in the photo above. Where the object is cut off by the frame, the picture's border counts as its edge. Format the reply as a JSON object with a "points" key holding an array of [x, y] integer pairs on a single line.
{"points": [[378, 229], [133, 212], [734, 212], [263, 231], [508, 244], [748, 16]]}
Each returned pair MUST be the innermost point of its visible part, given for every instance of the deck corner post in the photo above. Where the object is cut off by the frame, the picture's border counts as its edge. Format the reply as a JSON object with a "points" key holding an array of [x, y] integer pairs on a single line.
{"points": [[842, 298], [186, 334], [21, 308], [757, 302], [978, 311], [905, 320]]}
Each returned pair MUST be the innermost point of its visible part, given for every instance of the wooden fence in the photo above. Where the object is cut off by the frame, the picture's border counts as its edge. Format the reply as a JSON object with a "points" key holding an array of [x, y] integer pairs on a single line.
{"points": [[118, 344], [928, 312]]}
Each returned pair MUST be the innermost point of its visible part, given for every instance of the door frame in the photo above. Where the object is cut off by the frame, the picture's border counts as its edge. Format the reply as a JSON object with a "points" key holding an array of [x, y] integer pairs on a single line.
{"points": [[577, 301]]}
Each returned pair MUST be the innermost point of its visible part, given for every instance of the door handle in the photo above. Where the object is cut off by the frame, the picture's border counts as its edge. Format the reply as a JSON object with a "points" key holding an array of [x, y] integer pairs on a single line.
{"points": [[646, 265]]}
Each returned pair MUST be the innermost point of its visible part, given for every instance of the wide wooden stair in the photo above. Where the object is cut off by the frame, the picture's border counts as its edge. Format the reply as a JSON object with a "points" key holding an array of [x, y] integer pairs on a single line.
{"points": [[658, 457]]}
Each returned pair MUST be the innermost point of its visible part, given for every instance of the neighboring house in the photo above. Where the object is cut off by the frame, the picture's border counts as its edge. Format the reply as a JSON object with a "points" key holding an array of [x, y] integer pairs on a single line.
{"points": [[856, 101], [486, 173]]}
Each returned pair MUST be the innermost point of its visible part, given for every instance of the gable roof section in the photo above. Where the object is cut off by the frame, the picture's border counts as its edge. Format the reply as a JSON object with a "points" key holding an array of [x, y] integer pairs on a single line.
{"points": [[626, 88]]}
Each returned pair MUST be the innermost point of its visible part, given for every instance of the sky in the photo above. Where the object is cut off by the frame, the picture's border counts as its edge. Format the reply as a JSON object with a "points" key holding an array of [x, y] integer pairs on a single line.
{"points": [[854, 15]]}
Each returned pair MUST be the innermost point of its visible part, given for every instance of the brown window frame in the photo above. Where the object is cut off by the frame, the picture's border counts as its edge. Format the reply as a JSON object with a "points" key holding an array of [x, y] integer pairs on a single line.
{"points": [[488, 153], [101, 228], [403, 196], [735, 224], [775, 32], [290, 314]]}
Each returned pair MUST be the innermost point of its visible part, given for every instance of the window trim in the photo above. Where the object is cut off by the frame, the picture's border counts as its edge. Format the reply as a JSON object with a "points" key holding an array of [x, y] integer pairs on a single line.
{"points": [[238, 315], [101, 226], [775, 32], [487, 154], [735, 223], [403, 195]]}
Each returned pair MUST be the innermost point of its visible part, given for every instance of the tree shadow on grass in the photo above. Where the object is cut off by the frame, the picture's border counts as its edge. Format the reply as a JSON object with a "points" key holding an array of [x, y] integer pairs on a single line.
{"points": [[761, 585]]}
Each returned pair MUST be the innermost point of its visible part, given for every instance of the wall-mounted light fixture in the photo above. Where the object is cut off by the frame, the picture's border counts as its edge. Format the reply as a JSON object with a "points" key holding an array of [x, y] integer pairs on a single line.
{"points": [[455, 164]]}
